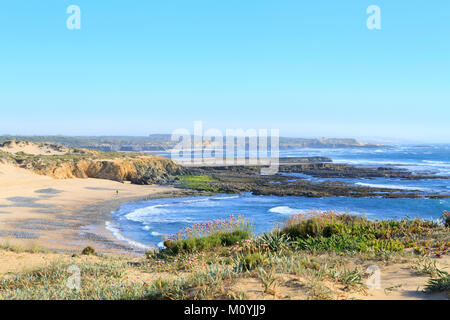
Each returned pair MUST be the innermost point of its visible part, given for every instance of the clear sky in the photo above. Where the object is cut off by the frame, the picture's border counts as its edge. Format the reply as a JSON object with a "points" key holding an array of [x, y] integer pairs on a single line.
{"points": [[309, 68]]}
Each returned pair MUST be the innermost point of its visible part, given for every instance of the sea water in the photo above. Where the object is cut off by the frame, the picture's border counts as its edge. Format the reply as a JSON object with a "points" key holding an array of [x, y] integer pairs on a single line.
{"points": [[147, 223]]}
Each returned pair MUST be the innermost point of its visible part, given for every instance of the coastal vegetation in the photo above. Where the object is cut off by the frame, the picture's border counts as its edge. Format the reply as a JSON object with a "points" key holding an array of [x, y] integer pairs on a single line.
{"points": [[316, 255], [208, 235], [198, 182], [163, 142]]}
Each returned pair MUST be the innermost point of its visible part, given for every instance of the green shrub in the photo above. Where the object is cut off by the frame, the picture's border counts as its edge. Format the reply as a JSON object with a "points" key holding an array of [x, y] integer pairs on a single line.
{"points": [[311, 227], [331, 229], [219, 232], [205, 243], [348, 242], [88, 251], [274, 242], [441, 284], [326, 225], [252, 260], [229, 239]]}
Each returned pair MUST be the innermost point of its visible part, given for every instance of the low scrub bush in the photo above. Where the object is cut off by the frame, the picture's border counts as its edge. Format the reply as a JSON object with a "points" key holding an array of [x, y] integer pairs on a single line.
{"points": [[326, 224], [252, 260], [273, 242], [205, 243], [88, 251], [440, 284], [343, 232], [347, 242], [199, 237]]}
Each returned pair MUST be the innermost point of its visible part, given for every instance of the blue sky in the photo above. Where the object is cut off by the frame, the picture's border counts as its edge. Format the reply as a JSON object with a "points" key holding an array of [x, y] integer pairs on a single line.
{"points": [[309, 68]]}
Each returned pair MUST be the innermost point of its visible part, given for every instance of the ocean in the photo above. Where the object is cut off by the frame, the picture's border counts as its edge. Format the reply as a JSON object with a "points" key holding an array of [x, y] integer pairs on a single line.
{"points": [[146, 223]]}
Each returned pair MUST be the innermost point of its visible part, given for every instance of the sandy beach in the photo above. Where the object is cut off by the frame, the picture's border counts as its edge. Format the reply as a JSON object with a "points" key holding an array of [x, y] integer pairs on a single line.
{"points": [[65, 214]]}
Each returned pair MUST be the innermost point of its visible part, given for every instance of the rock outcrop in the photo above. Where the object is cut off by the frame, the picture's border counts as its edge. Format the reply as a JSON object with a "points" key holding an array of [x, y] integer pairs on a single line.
{"points": [[85, 163], [145, 170]]}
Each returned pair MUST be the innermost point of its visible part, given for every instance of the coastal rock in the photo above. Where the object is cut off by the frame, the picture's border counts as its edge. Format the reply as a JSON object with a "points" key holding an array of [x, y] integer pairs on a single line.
{"points": [[239, 179], [143, 170], [85, 163]]}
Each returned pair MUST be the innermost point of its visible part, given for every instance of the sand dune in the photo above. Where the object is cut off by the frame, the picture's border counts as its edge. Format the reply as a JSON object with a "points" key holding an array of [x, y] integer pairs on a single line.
{"points": [[15, 147]]}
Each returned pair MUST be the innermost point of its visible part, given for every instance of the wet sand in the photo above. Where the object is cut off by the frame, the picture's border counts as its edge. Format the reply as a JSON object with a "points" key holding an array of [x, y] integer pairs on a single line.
{"points": [[66, 214]]}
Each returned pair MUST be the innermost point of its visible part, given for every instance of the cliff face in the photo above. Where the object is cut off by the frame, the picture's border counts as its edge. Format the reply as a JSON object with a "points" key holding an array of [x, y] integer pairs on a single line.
{"points": [[145, 170], [84, 163]]}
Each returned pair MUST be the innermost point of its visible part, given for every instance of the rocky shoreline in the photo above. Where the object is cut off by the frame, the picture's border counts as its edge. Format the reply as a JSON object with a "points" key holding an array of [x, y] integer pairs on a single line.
{"points": [[238, 179], [66, 163]]}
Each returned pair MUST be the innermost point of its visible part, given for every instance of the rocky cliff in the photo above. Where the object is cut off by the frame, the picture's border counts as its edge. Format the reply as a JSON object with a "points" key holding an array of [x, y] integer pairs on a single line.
{"points": [[85, 163]]}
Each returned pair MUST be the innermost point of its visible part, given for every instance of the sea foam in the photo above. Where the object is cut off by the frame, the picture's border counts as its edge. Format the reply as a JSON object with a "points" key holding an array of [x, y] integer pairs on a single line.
{"points": [[285, 210], [116, 233]]}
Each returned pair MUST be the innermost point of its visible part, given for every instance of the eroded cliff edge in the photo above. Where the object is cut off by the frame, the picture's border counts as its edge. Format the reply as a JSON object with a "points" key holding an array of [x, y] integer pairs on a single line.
{"points": [[66, 163]]}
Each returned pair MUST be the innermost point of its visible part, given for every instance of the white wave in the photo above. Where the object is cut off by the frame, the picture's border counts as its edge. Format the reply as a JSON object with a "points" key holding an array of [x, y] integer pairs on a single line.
{"points": [[440, 167], [225, 198], [436, 162], [285, 210], [153, 214], [138, 214], [116, 233], [155, 234], [161, 212], [389, 186], [194, 200], [374, 162]]}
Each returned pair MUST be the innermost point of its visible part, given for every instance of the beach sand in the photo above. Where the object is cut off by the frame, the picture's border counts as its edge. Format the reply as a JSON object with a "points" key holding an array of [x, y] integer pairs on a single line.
{"points": [[65, 214]]}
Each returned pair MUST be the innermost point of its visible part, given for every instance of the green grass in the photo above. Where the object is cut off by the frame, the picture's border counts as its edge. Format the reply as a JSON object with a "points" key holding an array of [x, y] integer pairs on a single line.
{"points": [[350, 278], [200, 182], [206, 243], [251, 261], [426, 266], [343, 232], [345, 242], [32, 247], [202, 237], [98, 281], [441, 284]]}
